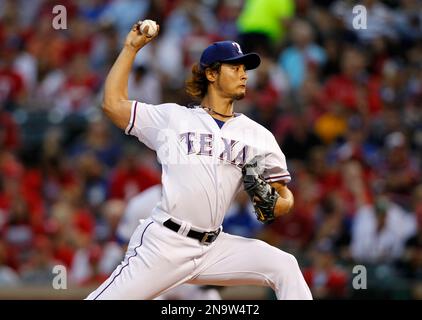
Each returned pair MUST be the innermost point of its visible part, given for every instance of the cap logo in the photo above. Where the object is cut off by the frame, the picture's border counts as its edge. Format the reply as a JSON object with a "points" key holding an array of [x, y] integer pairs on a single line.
{"points": [[236, 45]]}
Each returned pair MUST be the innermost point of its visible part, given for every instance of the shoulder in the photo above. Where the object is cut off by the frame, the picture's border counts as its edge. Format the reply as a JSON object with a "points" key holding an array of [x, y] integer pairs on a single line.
{"points": [[164, 109], [163, 106], [259, 128]]}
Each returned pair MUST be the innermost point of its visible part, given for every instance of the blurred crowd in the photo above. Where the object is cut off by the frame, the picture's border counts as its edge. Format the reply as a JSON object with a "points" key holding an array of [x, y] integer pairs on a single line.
{"points": [[344, 104]]}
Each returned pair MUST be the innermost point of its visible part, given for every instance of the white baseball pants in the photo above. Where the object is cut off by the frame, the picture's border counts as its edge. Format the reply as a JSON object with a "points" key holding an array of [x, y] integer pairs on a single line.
{"points": [[158, 259]]}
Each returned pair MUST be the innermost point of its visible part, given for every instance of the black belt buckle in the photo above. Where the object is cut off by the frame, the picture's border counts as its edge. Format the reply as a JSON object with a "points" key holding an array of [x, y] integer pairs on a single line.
{"points": [[209, 237]]}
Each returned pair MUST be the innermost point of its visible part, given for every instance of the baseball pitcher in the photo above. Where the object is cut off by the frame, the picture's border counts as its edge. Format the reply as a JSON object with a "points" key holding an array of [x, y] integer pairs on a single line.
{"points": [[208, 153]]}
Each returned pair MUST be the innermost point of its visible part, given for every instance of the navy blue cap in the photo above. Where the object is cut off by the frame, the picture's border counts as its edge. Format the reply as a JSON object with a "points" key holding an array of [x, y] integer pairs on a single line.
{"points": [[228, 52]]}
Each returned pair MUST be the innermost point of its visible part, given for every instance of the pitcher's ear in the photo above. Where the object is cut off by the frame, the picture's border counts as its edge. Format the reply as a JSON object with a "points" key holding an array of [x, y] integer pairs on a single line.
{"points": [[210, 74]]}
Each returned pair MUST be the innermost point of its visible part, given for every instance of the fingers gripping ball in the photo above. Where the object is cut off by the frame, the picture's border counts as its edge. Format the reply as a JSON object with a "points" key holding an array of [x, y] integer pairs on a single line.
{"points": [[261, 193], [151, 30]]}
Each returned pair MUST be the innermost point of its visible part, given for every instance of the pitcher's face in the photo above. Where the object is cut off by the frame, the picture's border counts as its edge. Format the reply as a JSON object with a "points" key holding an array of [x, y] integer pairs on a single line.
{"points": [[231, 81]]}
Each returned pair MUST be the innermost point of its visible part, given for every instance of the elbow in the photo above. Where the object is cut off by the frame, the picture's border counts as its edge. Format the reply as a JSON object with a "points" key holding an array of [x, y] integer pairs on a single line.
{"points": [[110, 105], [118, 111], [107, 109], [106, 106], [108, 102]]}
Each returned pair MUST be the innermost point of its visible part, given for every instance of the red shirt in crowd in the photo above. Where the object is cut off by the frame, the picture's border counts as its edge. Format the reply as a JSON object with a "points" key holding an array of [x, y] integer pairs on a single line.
{"points": [[11, 84], [345, 91], [127, 183]]}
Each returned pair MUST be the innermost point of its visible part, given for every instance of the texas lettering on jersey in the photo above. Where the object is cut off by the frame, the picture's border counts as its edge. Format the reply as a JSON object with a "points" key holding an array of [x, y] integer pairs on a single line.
{"points": [[203, 144]]}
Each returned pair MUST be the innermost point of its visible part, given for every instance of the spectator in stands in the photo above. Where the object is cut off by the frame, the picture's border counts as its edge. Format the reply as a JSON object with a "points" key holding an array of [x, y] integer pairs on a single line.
{"points": [[99, 140], [400, 171], [131, 177], [303, 55], [38, 270], [380, 231], [326, 279]]}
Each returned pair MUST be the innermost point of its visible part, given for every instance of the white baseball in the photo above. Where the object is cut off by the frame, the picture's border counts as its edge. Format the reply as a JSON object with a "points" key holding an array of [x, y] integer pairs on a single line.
{"points": [[152, 30]]}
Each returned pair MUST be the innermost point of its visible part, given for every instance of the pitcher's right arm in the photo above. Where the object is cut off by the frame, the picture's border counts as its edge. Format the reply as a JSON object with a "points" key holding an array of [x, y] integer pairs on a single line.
{"points": [[116, 104]]}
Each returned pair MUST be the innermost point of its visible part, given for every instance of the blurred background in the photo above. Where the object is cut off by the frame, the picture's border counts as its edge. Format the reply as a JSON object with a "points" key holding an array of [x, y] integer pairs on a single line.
{"points": [[345, 106]]}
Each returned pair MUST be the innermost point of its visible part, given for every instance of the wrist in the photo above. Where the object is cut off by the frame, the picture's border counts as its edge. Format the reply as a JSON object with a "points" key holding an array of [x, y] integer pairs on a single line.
{"points": [[130, 48]]}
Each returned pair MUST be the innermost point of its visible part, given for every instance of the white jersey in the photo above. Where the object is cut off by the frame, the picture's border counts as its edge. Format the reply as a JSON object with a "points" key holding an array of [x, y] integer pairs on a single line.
{"points": [[201, 163]]}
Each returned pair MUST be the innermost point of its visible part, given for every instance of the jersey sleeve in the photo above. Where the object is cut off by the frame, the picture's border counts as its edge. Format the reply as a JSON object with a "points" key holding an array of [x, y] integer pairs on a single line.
{"points": [[275, 167], [147, 121]]}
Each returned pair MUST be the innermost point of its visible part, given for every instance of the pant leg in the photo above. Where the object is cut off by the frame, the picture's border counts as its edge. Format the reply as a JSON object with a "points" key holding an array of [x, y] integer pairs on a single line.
{"points": [[157, 259], [236, 260]]}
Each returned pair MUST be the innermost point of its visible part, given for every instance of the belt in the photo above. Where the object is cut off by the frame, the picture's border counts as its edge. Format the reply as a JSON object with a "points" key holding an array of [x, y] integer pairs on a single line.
{"points": [[203, 237]]}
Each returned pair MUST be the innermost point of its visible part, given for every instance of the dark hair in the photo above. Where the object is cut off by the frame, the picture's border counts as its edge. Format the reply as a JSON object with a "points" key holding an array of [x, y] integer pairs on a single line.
{"points": [[197, 83]]}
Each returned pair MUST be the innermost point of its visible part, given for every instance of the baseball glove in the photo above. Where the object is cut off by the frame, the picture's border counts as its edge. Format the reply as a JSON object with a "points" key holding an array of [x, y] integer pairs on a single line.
{"points": [[262, 194]]}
